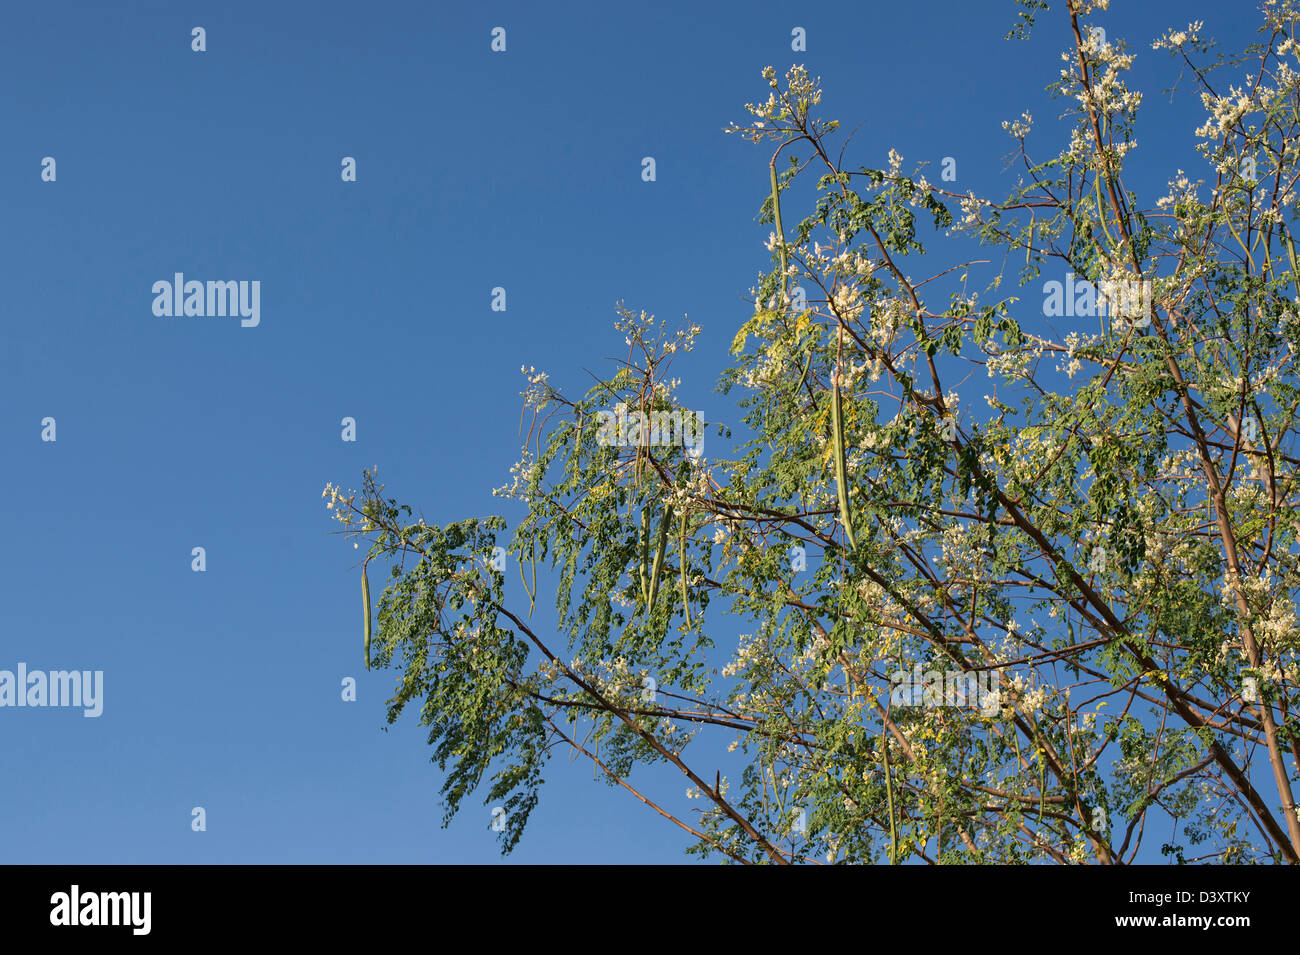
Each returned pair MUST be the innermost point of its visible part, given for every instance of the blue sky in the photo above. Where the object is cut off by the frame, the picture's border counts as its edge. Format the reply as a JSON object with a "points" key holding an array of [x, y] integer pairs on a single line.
{"points": [[475, 170]]}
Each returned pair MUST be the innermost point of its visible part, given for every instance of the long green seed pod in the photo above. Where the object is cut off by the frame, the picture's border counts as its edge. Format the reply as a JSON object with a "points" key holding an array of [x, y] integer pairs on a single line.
{"points": [[780, 238], [841, 470], [889, 797], [806, 365], [659, 557], [686, 600], [532, 571], [780, 233], [532, 594], [1290, 251], [365, 607], [1042, 774], [643, 545]]}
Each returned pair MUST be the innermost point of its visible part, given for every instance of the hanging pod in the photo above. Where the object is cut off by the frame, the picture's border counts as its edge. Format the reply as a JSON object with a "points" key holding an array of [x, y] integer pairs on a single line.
{"points": [[365, 607], [1042, 774], [780, 238], [643, 545], [1290, 251], [841, 471], [532, 594], [658, 565], [889, 796], [686, 601], [806, 365], [776, 220]]}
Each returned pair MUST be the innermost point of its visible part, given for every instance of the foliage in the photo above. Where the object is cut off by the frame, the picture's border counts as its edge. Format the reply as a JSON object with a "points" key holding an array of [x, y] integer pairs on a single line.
{"points": [[1113, 533]]}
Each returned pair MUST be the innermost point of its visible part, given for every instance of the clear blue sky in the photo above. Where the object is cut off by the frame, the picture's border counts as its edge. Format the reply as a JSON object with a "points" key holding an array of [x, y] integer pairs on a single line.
{"points": [[475, 170]]}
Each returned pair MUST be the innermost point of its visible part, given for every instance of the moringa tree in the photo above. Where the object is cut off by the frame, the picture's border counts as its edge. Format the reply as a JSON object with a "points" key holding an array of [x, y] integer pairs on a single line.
{"points": [[1039, 626]]}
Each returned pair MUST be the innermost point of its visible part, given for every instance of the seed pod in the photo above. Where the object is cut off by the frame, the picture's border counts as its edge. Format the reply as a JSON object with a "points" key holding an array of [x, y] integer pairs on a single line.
{"points": [[841, 471], [365, 607], [532, 594], [889, 796], [686, 600], [776, 220], [643, 546], [532, 571], [806, 365], [659, 557], [1042, 773]]}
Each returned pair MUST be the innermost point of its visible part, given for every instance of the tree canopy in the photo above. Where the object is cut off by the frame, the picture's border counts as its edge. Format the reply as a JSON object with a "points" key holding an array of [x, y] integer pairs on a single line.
{"points": [[1014, 544]]}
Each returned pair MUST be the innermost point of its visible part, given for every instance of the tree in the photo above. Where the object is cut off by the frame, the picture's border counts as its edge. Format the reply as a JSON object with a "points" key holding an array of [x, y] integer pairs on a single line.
{"points": [[1039, 630]]}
